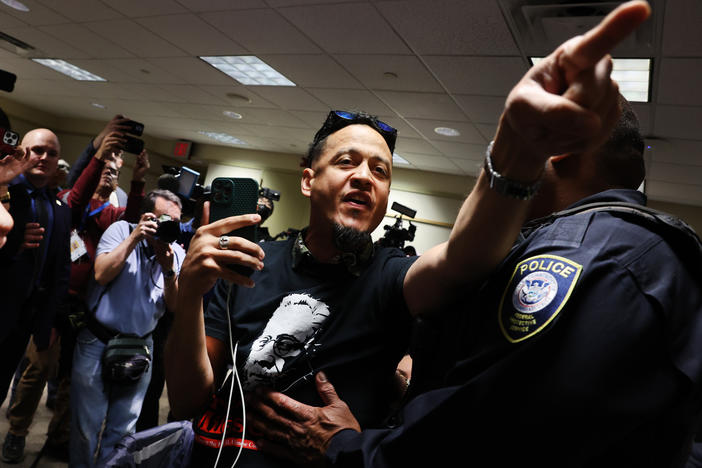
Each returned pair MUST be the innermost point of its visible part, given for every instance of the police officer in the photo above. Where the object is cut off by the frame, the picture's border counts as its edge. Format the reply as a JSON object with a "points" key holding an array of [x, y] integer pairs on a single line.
{"points": [[580, 350]]}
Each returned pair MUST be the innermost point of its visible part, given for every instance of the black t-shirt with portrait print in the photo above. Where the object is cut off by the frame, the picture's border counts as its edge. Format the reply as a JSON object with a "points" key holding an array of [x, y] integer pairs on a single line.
{"points": [[302, 317]]}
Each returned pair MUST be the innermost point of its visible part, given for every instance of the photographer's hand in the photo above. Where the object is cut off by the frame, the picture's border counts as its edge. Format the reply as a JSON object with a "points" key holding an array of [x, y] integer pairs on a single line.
{"points": [[146, 228], [109, 264], [110, 145], [117, 124], [206, 260]]}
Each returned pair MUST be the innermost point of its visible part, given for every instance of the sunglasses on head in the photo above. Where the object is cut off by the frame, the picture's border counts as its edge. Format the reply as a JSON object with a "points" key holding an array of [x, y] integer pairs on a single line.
{"points": [[338, 119]]}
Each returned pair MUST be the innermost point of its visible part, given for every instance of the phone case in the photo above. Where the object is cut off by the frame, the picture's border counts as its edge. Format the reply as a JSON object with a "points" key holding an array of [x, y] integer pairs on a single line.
{"points": [[232, 196]]}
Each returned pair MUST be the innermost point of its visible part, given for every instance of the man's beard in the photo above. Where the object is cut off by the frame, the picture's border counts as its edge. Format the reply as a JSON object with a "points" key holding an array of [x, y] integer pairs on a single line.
{"points": [[350, 240]]}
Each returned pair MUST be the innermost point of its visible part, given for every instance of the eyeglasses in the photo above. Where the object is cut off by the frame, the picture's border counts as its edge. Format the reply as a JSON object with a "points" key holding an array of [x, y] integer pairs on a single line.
{"points": [[338, 119]]}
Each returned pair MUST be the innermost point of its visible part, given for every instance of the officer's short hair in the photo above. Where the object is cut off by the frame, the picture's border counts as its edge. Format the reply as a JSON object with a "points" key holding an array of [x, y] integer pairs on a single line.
{"points": [[149, 202], [620, 161]]}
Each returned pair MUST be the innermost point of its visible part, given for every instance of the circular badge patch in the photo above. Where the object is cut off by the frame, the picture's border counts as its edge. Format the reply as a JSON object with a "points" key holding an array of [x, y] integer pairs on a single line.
{"points": [[534, 292]]}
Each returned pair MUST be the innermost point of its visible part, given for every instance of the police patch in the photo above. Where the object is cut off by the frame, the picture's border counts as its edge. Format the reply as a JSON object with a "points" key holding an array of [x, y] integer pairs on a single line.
{"points": [[537, 291]]}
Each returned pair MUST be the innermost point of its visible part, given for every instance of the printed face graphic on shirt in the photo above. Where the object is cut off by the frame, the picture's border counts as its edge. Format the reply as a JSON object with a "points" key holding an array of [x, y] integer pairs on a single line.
{"points": [[289, 332]]}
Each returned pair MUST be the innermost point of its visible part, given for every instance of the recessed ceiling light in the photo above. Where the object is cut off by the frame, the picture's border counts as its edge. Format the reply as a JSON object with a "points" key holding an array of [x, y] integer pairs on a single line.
{"points": [[16, 5], [397, 159], [446, 131], [632, 75], [248, 70], [223, 138], [97, 104], [71, 70], [239, 98], [232, 114]]}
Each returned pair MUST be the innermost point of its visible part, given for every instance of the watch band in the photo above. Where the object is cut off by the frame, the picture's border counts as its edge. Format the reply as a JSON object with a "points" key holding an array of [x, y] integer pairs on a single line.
{"points": [[508, 187]]}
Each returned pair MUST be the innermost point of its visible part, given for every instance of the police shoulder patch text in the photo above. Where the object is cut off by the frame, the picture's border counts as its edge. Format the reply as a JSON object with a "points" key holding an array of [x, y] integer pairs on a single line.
{"points": [[536, 293]]}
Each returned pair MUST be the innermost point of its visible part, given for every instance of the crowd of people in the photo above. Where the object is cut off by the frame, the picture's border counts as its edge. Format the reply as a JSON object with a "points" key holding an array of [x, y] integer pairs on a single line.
{"points": [[559, 325]]}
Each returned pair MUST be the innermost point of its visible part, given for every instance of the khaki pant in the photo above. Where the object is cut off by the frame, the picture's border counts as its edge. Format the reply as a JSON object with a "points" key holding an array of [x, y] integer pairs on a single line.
{"points": [[30, 388]]}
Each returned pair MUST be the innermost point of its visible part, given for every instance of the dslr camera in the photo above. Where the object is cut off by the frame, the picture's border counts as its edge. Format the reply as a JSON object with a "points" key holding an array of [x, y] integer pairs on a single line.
{"points": [[167, 230]]}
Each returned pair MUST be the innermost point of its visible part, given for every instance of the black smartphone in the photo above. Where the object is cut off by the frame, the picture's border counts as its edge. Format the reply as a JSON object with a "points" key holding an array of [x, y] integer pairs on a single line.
{"points": [[133, 145], [233, 196], [8, 141], [135, 128]]}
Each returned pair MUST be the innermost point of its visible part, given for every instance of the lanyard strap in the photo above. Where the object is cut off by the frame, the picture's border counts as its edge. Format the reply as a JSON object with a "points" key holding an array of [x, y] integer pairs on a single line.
{"points": [[87, 214]]}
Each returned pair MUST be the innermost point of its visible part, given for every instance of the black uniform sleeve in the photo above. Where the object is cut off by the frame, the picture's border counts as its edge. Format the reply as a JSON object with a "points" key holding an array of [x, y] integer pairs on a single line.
{"points": [[216, 325], [81, 163]]}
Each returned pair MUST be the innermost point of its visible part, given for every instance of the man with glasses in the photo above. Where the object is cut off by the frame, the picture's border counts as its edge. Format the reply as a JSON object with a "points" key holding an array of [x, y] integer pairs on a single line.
{"points": [[135, 281]]}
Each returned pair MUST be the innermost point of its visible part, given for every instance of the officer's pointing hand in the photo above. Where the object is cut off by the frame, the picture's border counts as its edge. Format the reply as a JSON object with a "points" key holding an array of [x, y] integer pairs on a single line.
{"points": [[568, 102], [211, 251]]}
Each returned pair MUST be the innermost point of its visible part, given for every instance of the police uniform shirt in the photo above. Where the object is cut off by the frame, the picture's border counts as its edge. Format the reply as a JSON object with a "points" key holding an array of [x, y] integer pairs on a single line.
{"points": [[584, 349]]}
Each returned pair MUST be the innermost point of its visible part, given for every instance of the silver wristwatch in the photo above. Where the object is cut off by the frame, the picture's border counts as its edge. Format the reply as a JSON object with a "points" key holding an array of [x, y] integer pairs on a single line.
{"points": [[508, 187]]}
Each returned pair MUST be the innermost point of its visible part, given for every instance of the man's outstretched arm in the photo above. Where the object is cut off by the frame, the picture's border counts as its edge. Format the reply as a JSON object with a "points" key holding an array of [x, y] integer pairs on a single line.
{"points": [[566, 103]]}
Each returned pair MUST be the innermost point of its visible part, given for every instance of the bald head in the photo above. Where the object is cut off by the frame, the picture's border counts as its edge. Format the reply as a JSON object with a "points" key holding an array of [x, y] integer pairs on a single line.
{"points": [[44, 148]]}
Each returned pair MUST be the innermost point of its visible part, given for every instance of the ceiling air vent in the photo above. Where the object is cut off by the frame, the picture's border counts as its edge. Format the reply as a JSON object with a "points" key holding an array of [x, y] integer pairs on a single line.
{"points": [[14, 45], [539, 26]]}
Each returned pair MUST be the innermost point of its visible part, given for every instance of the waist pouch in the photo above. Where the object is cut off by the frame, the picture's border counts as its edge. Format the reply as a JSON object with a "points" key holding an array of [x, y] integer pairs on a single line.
{"points": [[125, 359]]}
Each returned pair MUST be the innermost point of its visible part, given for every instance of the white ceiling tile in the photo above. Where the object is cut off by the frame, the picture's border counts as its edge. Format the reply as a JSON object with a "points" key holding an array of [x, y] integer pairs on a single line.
{"points": [[468, 133], [674, 192], [289, 97], [679, 81], [415, 145], [682, 35], [192, 70], [82, 10], [312, 71], [351, 100], [140, 8], [404, 129], [409, 73], [643, 113], [354, 28], [10, 22], [271, 117], [494, 76], [423, 105], [469, 166], [437, 164], [277, 37], [192, 94], [286, 3], [221, 5], [487, 130], [481, 109], [37, 15], [84, 39], [47, 45], [133, 37], [451, 27], [191, 34], [132, 70], [314, 119], [221, 92], [457, 150], [678, 122], [675, 173]]}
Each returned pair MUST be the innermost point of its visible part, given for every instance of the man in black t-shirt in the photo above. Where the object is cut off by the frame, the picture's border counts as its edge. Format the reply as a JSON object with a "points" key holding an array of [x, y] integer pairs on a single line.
{"points": [[326, 301]]}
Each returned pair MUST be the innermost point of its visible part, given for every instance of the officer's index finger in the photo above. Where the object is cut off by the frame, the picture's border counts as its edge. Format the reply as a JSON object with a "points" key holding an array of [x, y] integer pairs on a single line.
{"points": [[604, 37]]}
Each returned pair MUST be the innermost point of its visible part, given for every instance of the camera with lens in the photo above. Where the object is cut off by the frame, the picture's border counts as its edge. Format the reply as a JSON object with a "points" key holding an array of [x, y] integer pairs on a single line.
{"points": [[167, 229], [396, 235]]}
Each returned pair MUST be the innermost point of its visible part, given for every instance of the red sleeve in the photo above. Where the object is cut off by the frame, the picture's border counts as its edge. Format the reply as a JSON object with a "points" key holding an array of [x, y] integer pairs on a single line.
{"points": [[134, 200], [81, 193]]}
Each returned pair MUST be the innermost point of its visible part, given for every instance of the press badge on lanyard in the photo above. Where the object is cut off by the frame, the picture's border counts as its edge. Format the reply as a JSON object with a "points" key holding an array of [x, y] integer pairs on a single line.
{"points": [[539, 288], [77, 246]]}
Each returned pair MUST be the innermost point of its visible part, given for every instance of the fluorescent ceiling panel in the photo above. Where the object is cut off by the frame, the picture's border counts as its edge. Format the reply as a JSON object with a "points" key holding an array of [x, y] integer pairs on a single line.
{"points": [[248, 70], [68, 69], [223, 138], [632, 75]]}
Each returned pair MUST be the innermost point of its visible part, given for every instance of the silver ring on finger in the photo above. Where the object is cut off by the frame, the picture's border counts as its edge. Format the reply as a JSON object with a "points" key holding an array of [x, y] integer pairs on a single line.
{"points": [[223, 242]]}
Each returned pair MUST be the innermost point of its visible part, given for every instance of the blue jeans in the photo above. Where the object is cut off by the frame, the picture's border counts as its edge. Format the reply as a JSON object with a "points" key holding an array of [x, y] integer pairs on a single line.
{"points": [[93, 402]]}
